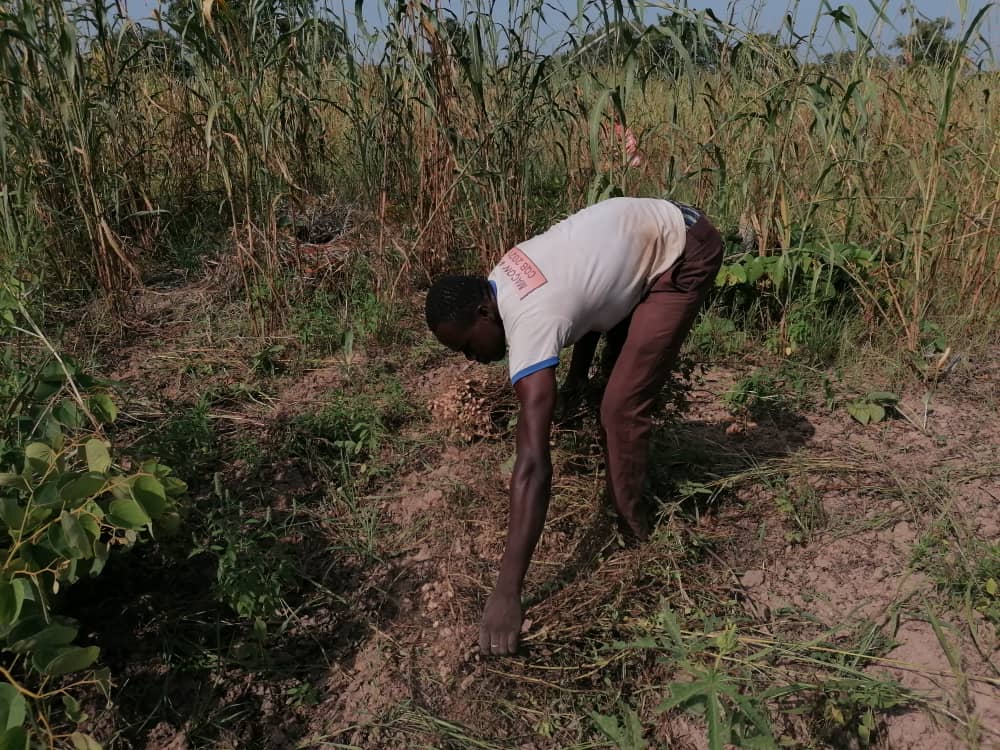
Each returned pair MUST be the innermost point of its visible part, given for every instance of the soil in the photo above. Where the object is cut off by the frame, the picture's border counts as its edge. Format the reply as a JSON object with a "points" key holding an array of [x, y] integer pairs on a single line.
{"points": [[401, 646]]}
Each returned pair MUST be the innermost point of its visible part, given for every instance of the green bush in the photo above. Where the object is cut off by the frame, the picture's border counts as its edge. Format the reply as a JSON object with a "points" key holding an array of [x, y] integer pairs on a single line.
{"points": [[65, 504]]}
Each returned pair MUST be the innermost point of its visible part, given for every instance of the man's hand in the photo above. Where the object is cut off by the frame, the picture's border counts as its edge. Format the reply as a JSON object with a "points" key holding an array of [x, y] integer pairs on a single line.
{"points": [[501, 625]]}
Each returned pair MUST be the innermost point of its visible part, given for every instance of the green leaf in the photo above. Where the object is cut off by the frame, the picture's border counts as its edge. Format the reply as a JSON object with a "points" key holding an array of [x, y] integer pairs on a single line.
{"points": [[608, 725], [883, 397], [89, 523], [84, 742], [991, 586], [859, 411], [39, 457], [100, 558], [876, 412], [13, 594], [47, 496], [14, 739], [127, 514], [148, 491], [83, 487], [11, 513], [682, 693], [72, 708], [174, 487], [52, 432], [71, 659], [68, 414], [49, 636], [13, 707], [75, 537], [594, 127], [98, 457], [102, 407], [717, 734]]}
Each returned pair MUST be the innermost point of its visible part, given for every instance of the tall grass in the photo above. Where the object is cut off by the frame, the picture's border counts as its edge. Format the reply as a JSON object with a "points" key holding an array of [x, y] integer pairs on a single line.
{"points": [[120, 143]]}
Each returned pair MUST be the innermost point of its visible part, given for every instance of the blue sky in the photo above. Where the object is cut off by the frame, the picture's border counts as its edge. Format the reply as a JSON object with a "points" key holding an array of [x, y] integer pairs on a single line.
{"points": [[760, 15]]}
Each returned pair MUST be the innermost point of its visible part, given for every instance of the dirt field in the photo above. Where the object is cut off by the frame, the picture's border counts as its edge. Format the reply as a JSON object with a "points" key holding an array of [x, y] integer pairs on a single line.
{"points": [[839, 558]]}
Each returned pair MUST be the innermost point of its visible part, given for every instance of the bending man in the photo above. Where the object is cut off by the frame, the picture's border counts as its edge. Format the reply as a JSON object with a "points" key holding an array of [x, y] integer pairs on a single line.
{"points": [[635, 269]]}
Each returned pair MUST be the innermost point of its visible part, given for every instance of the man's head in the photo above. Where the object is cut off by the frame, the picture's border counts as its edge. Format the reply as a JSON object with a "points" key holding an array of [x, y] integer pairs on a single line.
{"points": [[462, 314]]}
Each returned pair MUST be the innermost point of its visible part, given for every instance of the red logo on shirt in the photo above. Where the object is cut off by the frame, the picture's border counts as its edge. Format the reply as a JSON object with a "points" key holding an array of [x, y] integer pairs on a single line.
{"points": [[522, 272]]}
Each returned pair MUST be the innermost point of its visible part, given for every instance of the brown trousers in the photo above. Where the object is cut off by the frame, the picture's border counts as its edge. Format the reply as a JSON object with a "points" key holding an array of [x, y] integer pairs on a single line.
{"points": [[647, 344]]}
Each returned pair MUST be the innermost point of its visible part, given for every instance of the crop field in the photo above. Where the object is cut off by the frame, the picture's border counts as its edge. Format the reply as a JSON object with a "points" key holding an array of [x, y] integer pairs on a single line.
{"points": [[247, 500]]}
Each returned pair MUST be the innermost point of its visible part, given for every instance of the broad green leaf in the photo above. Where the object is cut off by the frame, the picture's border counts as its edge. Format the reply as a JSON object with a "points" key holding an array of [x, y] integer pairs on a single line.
{"points": [[991, 586], [13, 707], [75, 537], [47, 496], [15, 738], [83, 487], [859, 411], [121, 488], [84, 742], [39, 457], [102, 407], [52, 432], [102, 677], [149, 493], [90, 525], [158, 470], [100, 558], [71, 659], [48, 636], [876, 412], [46, 389], [174, 487], [68, 414], [128, 514], [13, 594], [736, 274], [98, 457], [11, 513]]}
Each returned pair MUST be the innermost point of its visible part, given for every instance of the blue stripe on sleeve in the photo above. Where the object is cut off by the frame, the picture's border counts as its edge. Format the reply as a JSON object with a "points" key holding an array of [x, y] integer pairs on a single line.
{"points": [[550, 362]]}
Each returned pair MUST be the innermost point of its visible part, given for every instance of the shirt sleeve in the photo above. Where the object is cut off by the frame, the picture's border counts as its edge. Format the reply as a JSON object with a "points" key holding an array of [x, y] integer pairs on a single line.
{"points": [[535, 345]]}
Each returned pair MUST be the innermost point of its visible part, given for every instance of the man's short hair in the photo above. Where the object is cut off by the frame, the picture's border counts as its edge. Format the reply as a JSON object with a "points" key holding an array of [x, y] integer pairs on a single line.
{"points": [[455, 299]]}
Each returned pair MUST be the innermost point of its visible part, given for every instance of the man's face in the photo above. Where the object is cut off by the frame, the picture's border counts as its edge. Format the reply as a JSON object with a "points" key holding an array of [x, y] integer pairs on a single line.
{"points": [[482, 341]]}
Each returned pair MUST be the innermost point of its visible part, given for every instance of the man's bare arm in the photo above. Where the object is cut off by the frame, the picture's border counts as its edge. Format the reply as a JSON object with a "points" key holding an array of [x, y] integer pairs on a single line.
{"points": [[530, 488]]}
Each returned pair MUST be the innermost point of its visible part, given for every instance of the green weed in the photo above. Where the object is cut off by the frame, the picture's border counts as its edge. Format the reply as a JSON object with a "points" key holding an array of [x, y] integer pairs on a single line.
{"points": [[187, 440], [761, 393], [967, 570], [254, 570], [802, 507]]}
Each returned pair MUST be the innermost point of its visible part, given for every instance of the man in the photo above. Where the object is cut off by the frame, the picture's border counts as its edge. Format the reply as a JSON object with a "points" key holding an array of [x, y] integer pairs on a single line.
{"points": [[636, 269]]}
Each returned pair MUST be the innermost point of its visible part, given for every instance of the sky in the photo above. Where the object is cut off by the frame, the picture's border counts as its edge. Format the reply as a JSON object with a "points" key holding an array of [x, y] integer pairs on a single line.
{"points": [[759, 15]]}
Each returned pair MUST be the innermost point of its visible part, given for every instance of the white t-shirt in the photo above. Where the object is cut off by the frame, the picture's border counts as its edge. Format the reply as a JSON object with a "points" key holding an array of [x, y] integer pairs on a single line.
{"points": [[587, 273]]}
